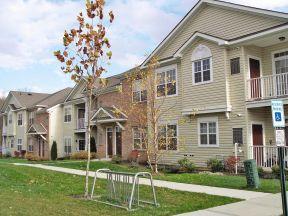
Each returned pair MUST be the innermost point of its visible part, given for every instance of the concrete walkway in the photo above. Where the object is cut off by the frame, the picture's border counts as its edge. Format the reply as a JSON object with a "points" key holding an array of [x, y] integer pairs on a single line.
{"points": [[269, 205], [241, 194]]}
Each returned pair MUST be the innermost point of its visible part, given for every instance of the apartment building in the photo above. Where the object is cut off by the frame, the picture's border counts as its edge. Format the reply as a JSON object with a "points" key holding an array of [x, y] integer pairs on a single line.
{"points": [[226, 62], [26, 121]]}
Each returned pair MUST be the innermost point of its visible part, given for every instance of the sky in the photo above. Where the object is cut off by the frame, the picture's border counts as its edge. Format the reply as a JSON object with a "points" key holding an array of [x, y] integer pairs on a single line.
{"points": [[32, 29]]}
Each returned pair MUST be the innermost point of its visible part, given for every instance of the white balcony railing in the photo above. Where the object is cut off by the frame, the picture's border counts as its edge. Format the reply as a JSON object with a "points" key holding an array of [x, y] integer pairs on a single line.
{"points": [[266, 87], [80, 123], [267, 156]]}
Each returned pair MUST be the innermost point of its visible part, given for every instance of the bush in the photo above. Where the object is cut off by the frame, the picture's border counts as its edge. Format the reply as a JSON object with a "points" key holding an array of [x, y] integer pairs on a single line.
{"points": [[116, 159], [23, 153], [230, 164], [17, 154], [54, 151], [261, 172], [32, 157], [93, 147], [187, 165], [83, 155], [7, 155], [215, 165]]}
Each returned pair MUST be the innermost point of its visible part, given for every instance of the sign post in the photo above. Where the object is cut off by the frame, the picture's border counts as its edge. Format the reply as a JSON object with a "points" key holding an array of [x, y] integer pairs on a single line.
{"points": [[279, 125]]}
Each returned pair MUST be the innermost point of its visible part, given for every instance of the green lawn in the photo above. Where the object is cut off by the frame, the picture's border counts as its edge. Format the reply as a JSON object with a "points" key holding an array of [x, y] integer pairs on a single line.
{"points": [[32, 191], [226, 181]]}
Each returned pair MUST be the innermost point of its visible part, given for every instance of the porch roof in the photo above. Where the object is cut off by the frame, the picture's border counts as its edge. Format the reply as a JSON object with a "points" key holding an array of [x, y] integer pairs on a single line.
{"points": [[108, 114], [37, 129]]}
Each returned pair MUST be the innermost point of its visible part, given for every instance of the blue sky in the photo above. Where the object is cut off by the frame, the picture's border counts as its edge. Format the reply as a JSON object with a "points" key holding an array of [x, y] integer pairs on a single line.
{"points": [[32, 29]]}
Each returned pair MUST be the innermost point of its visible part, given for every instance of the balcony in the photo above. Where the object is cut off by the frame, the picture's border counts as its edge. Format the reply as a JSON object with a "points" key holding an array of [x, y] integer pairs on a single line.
{"points": [[267, 87], [80, 124]]}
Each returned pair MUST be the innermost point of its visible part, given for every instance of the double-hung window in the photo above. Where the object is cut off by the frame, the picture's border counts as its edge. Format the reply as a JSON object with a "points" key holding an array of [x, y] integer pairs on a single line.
{"points": [[67, 114], [167, 138], [208, 132], [166, 79], [12, 143], [201, 65], [30, 146], [31, 118], [19, 145], [67, 145], [139, 138], [139, 91], [20, 119]]}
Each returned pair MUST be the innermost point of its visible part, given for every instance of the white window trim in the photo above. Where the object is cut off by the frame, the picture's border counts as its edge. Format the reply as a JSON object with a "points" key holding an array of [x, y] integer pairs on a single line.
{"points": [[22, 119], [67, 107], [177, 125], [211, 72], [21, 144], [274, 59], [141, 140], [205, 120], [141, 101], [165, 69], [67, 137]]}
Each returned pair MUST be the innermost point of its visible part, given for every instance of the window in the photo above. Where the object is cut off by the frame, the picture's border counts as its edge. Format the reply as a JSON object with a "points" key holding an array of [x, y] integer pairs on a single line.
{"points": [[20, 119], [12, 143], [237, 136], [139, 137], [166, 82], [81, 145], [235, 65], [167, 139], [208, 132], [10, 118], [67, 114], [67, 145], [19, 145], [139, 91], [201, 65], [31, 118], [281, 62], [30, 148]]}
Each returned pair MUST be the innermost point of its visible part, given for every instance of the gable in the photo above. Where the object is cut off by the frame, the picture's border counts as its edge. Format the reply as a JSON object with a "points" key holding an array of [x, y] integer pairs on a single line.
{"points": [[77, 91], [219, 22], [10, 99]]}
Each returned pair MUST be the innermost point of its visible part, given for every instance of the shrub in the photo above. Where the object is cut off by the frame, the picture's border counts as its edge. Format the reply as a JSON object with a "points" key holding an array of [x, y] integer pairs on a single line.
{"points": [[17, 154], [7, 155], [93, 147], [32, 157], [261, 172], [215, 165], [133, 157], [83, 155], [23, 153], [230, 164], [173, 169], [116, 159], [187, 165], [54, 151]]}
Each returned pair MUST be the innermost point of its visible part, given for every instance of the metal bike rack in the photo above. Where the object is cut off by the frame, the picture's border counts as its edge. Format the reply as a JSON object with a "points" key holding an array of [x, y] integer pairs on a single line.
{"points": [[123, 189]]}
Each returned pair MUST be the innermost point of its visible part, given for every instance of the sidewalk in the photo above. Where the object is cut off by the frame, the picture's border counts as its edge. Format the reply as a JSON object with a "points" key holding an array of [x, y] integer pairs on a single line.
{"points": [[269, 205], [240, 194]]}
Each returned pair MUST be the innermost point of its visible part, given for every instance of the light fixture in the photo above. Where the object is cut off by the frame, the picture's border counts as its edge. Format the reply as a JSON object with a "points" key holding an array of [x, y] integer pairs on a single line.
{"points": [[282, 38]]}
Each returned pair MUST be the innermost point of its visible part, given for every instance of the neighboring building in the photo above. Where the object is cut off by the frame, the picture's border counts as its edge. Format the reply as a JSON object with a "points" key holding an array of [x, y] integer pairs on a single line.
{"points": [[226, 62], [112, 126], [1, 122]]}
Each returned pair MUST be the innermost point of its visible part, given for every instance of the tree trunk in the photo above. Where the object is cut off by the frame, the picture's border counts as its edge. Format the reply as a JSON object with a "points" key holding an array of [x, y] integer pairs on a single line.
{"points": [[88, 131]]}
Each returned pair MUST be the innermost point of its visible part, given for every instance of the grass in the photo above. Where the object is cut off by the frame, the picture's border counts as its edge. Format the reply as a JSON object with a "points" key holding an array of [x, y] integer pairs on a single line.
{"points": [[226, 181], [32, 191]]}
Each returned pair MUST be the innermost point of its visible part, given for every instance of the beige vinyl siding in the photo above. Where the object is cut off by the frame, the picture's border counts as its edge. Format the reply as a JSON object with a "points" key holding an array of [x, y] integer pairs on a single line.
{"points": [[204, 95], [219, 22]]}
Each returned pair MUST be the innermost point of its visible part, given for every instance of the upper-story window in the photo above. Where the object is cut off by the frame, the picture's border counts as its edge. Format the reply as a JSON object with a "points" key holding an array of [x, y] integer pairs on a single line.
{"points": [[67, 114], [281, 62], [167, 81], [139, 91], [20, 119], [202, 65], [10, 118], [31, 117]]}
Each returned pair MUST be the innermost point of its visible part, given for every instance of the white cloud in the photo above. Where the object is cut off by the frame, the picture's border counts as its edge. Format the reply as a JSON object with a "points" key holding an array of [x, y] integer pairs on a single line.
{"points": [[3, 93]]}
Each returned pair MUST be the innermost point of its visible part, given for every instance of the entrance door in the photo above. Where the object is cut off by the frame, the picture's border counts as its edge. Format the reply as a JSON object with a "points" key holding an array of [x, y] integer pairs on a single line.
{"points": [[255, 84], [41, 146], [257, 134], [118, 141], [109, 137]]}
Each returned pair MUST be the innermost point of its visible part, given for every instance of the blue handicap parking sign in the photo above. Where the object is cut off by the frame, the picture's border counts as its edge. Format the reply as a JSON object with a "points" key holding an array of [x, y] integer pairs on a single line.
{"points": [[278, 116]]}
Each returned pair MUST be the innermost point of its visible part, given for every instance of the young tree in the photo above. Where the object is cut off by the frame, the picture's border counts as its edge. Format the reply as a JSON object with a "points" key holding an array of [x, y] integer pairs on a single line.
{"points": [[157, 140], [86, 52], [54, 151]]}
